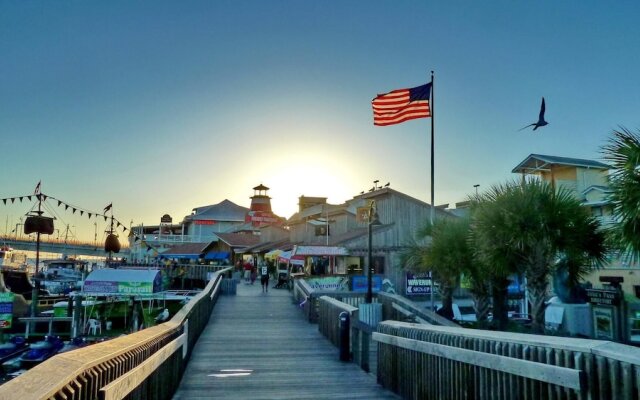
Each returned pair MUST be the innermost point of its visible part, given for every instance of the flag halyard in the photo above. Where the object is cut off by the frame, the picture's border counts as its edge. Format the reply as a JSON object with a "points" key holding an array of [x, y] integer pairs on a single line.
{"points": [[402, 105]]}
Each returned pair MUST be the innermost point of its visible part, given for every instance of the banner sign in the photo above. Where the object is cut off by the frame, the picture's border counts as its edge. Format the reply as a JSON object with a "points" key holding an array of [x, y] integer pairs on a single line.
{"points": [[6, 309], [418, 284], [327, 283], [359, 283]]}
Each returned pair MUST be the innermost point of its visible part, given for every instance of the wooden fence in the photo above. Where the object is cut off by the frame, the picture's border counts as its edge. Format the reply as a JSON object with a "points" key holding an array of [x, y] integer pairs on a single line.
{"points": [[438, 362], [144, 365]]}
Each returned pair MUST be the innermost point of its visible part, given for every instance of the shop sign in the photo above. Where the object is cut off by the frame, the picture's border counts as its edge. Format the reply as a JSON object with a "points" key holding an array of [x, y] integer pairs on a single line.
{"points": [[603, 323], [6, 309], [418, 284], [204, 222], [603, 297], [360, 284]]}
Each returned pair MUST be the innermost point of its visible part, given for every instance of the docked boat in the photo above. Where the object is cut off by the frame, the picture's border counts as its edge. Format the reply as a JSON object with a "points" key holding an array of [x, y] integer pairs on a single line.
{"points": [[63, 275], [11, 259], [42, 350], [14, 347]]}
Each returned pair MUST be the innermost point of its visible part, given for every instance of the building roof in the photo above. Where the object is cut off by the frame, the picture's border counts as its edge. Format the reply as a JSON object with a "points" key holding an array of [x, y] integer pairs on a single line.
{"points": [[388, 191], [239, 239], [187, 249], [226, 210], [283, 244], [537, 162]]}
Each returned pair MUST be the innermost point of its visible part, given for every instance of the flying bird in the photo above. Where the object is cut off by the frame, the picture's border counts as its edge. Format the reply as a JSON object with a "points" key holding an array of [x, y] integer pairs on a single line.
{"points": [[387, 185], [541, 121]]}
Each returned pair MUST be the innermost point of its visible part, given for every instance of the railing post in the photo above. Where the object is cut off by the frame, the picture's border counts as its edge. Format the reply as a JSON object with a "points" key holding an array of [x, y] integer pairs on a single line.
{"points": [[344, 336]]}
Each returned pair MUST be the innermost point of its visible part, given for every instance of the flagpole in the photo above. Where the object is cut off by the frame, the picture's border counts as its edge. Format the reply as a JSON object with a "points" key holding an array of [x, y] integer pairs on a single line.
{"points": [[432, 152], [433, 205]]}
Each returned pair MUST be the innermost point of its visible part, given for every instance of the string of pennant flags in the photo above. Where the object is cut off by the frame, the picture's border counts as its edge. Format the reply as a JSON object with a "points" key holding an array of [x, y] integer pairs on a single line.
{"points": [[82, 211]]}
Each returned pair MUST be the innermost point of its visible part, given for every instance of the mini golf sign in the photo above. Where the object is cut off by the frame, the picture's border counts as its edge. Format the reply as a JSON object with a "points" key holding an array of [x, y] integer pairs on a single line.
{"points": [[6, 309]]}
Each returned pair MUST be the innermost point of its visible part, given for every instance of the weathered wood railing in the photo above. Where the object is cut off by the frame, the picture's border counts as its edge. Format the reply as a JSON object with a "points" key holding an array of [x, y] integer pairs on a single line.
{"points": [[398, 308], [438, 362], [308, 298], [145, 364], [364, 352]]}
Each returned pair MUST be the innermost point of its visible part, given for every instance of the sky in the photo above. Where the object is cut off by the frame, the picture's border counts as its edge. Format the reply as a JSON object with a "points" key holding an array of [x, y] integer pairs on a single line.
{"points": [[162, 106]]}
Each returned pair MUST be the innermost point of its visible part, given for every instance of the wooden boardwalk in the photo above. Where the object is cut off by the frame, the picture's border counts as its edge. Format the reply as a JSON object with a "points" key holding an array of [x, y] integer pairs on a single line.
{"points": [[259, 346]]}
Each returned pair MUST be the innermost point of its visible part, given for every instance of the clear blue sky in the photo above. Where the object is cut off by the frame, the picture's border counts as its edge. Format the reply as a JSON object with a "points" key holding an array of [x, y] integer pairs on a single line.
{"points": [[160, 107]]}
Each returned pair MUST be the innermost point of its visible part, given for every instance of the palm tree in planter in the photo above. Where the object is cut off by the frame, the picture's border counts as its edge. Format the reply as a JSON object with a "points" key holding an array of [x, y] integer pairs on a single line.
{"points": [[528, 228], [444, 249], [623, 153]]}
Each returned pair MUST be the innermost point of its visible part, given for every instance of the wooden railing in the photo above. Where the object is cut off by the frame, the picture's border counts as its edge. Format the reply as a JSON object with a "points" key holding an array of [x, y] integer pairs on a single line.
{"points": [[146, 364], [438, 362], [398, 308], [308, 298]]}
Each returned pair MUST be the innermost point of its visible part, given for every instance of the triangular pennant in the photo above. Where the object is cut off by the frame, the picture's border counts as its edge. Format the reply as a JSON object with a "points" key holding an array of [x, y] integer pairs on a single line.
{"points": [[4, 201], [44, 197], [118, 223], [66, 206], [12, 200], [29, 197], [81, 212], [20, 199], [74, 211], [59, 202], [124, 228], [89, 214], [38, 197], [105, 217]]}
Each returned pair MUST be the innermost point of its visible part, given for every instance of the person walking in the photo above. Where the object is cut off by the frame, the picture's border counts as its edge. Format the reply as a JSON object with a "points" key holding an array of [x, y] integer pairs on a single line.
{"points": [[247, 272], [264, 277]]}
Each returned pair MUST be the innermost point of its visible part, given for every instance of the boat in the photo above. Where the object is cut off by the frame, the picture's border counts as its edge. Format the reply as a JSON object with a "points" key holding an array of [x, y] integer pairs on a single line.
{"points": [[63, 275], [12, 260], [42, 350], [14, 347]]}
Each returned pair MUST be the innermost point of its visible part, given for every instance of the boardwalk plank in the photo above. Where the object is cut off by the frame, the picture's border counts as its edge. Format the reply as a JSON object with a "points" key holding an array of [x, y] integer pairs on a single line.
{"points": [[285, 356]]}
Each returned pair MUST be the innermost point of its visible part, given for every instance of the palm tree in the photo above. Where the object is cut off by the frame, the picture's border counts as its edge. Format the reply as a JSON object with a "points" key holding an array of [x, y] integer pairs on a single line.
{"points": [[527, 228], [440, 248], [623, 153]]}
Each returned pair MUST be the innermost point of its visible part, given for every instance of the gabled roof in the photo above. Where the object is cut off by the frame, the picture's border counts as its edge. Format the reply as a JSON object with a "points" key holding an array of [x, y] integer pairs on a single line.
{"points": [[239, 239], [226, 210], [599, 188], [187, 249], [283, 244], [388, 191], [535, 162]]}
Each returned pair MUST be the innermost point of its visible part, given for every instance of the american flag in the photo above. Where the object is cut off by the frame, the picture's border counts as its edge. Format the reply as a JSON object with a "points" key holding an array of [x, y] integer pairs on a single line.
{"points": [[402, 105]]}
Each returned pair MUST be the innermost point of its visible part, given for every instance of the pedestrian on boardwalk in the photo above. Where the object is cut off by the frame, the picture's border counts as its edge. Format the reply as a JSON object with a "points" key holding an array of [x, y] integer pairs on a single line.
{"points": [[247, 272], [264, 277], [254, 274]]}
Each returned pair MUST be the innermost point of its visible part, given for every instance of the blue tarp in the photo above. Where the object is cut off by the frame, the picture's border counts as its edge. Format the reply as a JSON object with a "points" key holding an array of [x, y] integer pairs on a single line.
{"points": [[217, 255]]}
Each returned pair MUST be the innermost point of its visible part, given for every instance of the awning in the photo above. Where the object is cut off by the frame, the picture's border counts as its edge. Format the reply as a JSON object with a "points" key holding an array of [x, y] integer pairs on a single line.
{"points": [[190, 256], [319, 251], [287, 258], [217, 255], [273, 254]]}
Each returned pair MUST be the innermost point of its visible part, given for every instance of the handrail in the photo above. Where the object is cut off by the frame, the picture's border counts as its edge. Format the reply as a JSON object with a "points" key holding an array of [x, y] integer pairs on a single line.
{"points": [[390, 300], [498, 365], [84, 371]]}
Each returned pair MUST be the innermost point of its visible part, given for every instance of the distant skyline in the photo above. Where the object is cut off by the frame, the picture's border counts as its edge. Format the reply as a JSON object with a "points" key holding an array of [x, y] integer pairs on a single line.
{"points": [[160, 106]]}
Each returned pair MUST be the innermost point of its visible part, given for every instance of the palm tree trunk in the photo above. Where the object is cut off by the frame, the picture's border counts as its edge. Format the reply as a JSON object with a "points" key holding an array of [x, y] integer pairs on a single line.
{"points": [[500, 308], [537, 287], [481, 304], [446, 291]]}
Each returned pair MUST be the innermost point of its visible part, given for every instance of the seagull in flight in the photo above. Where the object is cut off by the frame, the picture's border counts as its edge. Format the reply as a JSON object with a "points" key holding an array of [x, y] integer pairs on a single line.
{"points": [[541, 121]]}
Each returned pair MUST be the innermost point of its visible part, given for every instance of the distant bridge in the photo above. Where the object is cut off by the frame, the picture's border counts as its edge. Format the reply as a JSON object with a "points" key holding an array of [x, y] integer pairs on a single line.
{"points": [[71, 247]]}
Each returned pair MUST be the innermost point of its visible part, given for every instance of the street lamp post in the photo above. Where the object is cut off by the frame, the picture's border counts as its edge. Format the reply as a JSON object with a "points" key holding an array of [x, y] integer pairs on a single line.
{"points": [[372, 220], [476, 186]]}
